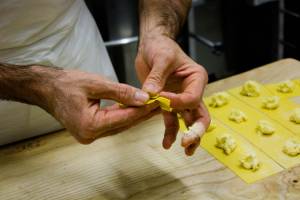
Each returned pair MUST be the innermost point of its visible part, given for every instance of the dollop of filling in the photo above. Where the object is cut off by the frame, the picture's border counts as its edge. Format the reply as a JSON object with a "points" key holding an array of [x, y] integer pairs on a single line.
{"points": [[227, 143], [265, 127], [219, 99], [291, 148], [250, 89], [295, 116], [285, 87], [250, 162], [237, 116], [271, 102]]}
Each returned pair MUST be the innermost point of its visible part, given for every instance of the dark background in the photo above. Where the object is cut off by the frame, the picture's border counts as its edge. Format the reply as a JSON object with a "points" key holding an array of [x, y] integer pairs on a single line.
{"points": [[245, 33]]}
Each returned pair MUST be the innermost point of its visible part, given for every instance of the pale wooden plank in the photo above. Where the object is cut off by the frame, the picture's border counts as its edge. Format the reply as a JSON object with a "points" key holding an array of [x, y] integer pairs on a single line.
{"points": [[133, 165]]}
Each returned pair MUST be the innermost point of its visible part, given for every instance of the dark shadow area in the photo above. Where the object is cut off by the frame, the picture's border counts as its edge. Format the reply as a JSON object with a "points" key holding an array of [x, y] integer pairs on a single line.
{"points": [[250, 34]]}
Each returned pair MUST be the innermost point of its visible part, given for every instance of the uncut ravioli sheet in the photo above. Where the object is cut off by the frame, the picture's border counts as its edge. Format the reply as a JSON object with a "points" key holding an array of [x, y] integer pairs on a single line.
{"points": [[268, 148]]}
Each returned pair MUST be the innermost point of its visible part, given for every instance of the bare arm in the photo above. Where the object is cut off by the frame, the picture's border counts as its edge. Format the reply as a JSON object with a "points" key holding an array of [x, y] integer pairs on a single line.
{"points": [[164, 17], [73, 98], [163, 68], [27, 84]]}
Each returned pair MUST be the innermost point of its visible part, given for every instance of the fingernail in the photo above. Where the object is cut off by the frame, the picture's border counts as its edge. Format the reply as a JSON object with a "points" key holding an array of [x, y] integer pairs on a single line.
{"points": [[141, 96], [151, 88]]}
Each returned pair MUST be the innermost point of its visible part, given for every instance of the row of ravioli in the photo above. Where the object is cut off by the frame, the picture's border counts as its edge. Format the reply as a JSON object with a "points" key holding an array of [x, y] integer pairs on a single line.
{"points": [[252, 89]]}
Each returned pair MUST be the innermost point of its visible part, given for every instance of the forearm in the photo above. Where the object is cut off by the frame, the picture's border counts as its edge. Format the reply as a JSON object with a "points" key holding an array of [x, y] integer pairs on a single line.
{"points": [[163, 16], [27, 84]]}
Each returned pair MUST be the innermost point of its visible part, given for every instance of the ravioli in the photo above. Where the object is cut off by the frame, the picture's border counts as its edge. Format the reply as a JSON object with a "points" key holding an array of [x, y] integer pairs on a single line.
{"points": [[250, 89], [250, 162], [227, 143]]}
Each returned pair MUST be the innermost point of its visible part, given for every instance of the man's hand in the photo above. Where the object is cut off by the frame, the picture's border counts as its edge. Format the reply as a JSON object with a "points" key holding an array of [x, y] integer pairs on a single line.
{"points": [[164, 68], [73, 98], [76, 105]]}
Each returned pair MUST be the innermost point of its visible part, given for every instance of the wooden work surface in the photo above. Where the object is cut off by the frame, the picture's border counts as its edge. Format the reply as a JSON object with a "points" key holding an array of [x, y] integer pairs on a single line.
{"points": [[133, 165]]}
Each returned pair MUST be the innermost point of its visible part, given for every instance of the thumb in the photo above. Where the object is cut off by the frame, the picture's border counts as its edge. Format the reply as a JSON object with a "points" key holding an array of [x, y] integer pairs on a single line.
{"points": [[125, 94], [156, 79]]}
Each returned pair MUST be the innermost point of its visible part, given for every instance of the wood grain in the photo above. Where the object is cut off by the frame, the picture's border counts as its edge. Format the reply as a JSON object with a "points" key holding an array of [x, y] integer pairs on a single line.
{"points": [[133, 165]]}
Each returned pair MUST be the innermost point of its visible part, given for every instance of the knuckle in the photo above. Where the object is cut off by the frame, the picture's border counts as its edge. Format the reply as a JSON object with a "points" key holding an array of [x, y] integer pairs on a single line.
{"points": [[84, 141], [85, 134], [203, 73], [83, 138], [87, 130], [193, 101], [155, 77], [123, 91], [105, 122]]}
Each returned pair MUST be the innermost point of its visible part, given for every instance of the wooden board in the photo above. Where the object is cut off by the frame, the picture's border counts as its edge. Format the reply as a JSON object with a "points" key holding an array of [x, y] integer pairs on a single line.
{"points": [[133, 165]]}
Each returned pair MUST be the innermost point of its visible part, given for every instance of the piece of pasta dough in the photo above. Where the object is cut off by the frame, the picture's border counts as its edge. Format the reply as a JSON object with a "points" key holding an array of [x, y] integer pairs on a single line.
{"points": [[286, 86], [250, 162], [227, 143], [291, 148], [250, 89], [219, 99], [237, 116], [271, 102], [265, 127], [295, 116]]}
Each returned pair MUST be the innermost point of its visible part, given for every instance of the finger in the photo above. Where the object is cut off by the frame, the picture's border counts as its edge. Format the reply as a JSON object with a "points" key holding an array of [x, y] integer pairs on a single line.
{"points": [[202, 121], [109, 120], [157, 77], [171, 129], [123, 128], [183, 100], [192, 89], [190, 141], [114, 131], [120, 92], [141, 68], [82, 140], [190, 150], [201, 115], [193, 134], [188, 116]]}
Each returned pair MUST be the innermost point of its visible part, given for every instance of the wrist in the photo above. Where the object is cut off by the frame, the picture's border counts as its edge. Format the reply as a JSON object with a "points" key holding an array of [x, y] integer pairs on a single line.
{"points": [[43, 86], [163, 17], [155, 31], [153, 38], [29, 84]]}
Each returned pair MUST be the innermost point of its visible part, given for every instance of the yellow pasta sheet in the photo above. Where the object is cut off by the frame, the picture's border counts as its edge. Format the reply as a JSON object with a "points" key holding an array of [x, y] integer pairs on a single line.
{"points": [[253, 101], [274, 90], [232, 161], [271, 145], [267, 148], [281, 114]]}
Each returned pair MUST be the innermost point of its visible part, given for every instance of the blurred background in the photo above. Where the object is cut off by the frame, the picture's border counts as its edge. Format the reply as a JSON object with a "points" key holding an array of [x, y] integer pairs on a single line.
{"points": [[225, 36]]}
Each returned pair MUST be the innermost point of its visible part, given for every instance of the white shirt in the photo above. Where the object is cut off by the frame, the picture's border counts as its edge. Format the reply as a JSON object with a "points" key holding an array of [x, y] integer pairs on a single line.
{"points": [[53, 33]]}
